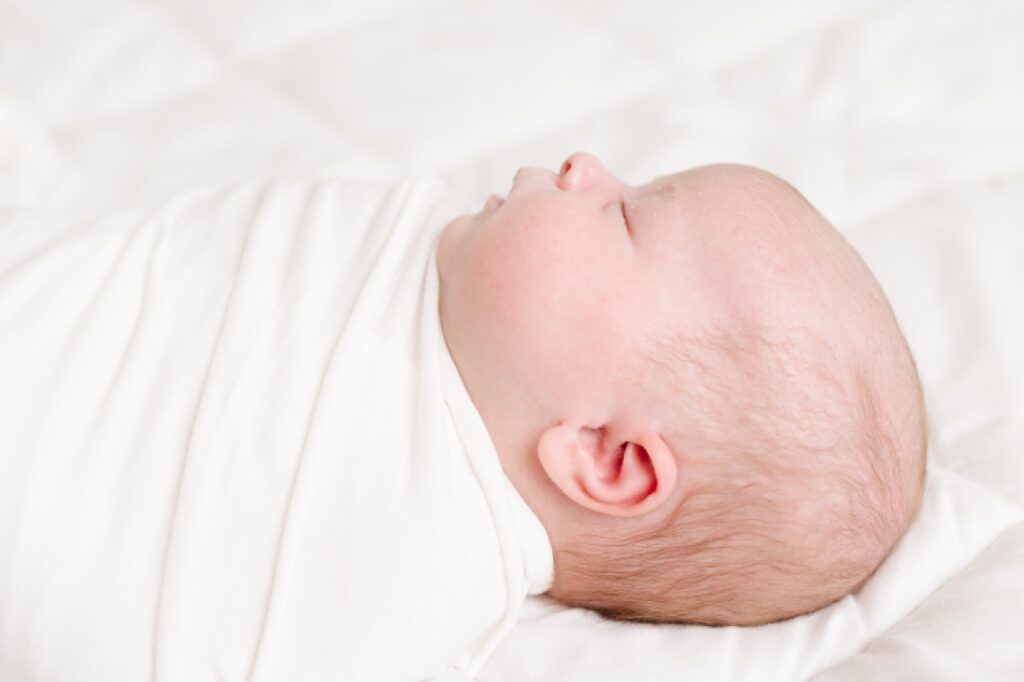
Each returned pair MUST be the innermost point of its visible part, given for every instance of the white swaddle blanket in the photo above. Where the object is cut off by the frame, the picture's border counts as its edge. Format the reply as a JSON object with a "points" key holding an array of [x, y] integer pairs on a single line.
{"points": [[234, 446]]}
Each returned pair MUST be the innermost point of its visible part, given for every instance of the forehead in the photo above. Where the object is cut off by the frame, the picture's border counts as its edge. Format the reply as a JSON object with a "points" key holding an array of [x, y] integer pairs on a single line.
{"points": [[667, 212], [701, 197], [681, 260], [718, 238], [732, 202]]}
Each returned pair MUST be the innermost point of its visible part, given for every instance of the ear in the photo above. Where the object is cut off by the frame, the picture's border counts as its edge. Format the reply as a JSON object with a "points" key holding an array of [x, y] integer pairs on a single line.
{"points": [[617, 478]]}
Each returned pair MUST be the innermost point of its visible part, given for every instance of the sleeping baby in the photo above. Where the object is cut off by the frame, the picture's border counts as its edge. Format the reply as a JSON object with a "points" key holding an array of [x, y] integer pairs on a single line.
{"points": [[696, 384], [334, 429]]}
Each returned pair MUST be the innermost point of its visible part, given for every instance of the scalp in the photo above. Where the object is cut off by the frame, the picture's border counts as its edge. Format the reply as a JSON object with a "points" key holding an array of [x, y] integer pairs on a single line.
{"points": [[795, 508]]}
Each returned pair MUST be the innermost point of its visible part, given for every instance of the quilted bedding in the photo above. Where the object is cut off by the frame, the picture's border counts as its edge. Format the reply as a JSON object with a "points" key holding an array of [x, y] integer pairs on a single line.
{"points": [[902, 121]]}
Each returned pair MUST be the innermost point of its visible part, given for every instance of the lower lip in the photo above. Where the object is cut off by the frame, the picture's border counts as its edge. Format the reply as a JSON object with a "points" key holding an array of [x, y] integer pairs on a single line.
{"points": [[493, 202]]}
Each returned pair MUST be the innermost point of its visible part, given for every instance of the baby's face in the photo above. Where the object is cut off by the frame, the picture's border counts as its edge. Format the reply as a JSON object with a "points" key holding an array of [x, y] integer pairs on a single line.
{"points": [[555, 286], [550, 278]]}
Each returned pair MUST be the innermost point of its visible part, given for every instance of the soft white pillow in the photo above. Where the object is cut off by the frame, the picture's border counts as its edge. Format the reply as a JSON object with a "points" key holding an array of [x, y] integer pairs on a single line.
{"points": [[958, 519]]}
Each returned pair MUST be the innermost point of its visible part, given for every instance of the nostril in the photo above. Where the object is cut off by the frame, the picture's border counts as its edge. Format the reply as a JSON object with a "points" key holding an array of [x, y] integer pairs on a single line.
{"points": [[565, 167]]}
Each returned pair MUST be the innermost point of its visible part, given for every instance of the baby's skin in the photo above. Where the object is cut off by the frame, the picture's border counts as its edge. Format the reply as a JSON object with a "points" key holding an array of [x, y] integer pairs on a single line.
{"points": [[694, 381]]}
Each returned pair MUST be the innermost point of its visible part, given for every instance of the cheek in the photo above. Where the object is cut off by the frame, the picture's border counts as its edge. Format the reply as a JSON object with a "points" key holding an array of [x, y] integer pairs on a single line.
{"points": [[517, 278], [541, 300]]}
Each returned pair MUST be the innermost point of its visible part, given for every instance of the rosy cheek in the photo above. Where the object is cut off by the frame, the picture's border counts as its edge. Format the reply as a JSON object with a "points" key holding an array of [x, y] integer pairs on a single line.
{"points": [[513, 289], [500, 282]]}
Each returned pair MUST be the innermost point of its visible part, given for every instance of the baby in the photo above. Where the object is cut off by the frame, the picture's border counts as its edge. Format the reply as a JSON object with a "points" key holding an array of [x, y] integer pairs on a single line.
{"points": [[332, 429], [696, 384]]}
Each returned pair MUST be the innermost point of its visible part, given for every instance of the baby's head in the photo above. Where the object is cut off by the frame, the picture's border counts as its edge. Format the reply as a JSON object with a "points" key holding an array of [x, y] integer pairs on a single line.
{"points": [[696, 384]]}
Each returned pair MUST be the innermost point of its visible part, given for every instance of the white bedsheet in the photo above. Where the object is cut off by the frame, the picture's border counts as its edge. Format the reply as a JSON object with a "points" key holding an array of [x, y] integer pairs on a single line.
{"points": [[903, 121]]}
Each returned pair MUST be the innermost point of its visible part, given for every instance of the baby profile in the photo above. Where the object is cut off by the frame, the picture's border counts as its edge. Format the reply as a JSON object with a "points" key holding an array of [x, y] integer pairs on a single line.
{"points": [[696, 385], [274, 430]]}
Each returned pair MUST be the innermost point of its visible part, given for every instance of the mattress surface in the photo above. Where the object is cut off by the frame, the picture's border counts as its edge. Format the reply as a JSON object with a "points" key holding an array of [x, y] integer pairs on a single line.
{"points": [[902, 121]]}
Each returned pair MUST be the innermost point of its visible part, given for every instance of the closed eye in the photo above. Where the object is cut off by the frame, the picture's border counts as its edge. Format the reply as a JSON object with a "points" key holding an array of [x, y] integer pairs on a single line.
{"points": [[625, 220]]}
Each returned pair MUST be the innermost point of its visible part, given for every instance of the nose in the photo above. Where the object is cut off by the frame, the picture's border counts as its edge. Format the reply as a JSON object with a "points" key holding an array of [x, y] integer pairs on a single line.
{"points": [[582, 171]]}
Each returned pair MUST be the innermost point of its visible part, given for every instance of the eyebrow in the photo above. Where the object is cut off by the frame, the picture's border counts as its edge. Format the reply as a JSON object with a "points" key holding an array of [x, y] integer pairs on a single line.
{"points": [[664, 185], [665, 190]]}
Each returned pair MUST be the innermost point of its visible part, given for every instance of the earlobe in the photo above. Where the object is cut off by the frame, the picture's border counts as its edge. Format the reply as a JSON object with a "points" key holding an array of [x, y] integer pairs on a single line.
{"points": [[617, 478]]}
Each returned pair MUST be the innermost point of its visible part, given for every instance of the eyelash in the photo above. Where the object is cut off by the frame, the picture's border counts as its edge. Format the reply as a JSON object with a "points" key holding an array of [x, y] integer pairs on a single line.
{"points": [[622, 209]]}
